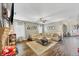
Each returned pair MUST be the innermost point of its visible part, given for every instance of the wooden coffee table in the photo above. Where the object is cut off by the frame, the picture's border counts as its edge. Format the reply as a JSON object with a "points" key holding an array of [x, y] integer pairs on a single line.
{"points": [[38, 48]]}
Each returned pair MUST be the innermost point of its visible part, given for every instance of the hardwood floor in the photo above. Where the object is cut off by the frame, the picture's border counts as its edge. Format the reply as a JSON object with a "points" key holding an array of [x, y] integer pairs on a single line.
{"points": [[24, 50], [67, 47], [71, 45]]}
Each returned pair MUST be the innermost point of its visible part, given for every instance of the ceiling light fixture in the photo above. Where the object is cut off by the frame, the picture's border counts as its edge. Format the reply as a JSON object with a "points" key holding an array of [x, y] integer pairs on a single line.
{"points": [[43, 21]]}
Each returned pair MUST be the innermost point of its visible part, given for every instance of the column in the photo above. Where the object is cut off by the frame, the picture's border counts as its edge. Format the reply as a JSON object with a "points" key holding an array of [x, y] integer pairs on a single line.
{"points": [[43, 31]]}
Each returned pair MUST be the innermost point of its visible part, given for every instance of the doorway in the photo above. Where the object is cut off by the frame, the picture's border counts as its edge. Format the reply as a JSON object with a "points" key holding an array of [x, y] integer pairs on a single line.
{"points": [[64, 30]]}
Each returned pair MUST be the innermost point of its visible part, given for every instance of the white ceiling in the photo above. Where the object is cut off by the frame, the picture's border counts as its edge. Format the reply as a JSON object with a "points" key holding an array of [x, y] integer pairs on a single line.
{"points": [[52, 12]]}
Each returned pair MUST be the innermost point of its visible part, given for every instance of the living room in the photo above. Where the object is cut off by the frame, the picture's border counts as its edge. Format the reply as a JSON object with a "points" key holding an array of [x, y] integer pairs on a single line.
{"points": [[43, 29]]}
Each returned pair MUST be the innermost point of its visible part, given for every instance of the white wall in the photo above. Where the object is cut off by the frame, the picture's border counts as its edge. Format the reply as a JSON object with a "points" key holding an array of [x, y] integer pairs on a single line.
{"points": [[58, 26], [40, 28], [33, 28], [0, 10], [19, 29], [70, 26], [54, 27]]}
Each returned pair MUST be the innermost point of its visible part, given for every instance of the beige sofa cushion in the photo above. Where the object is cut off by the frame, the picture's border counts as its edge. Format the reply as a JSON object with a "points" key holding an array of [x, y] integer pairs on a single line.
{"points": [[55, 38]]}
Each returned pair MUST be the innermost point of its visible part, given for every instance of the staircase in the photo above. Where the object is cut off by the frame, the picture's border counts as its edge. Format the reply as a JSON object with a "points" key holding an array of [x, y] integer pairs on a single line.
{"points": [[4, 32]]}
